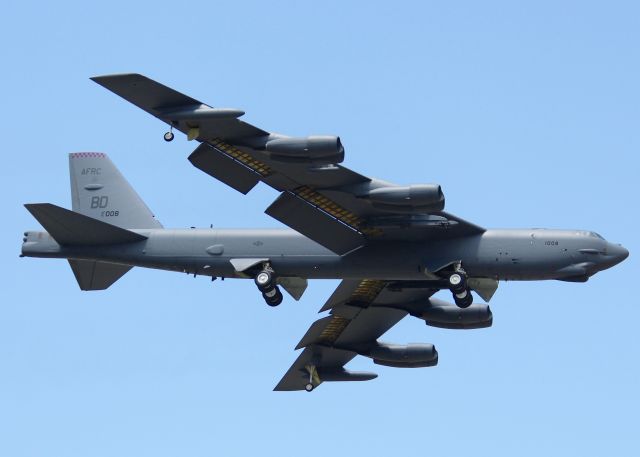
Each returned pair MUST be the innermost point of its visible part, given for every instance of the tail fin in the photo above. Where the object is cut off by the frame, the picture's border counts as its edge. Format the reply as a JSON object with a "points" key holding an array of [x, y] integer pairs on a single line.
{"points": [[98, 190]]}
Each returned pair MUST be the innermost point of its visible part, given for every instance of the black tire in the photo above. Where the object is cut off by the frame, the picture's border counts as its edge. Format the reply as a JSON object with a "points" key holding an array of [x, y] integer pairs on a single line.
{"points": [[264, 280], [308, 387], [168, 136], [457, 282], [275, 299], [463, 302], [278, 298]]}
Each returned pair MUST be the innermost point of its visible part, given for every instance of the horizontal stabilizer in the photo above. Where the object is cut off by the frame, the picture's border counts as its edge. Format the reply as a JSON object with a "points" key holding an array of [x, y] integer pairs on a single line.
{"points": [[93, 275], [71, 228]]}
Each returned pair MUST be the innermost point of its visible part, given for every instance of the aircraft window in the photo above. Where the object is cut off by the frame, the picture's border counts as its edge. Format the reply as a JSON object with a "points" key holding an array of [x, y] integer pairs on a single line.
{"points": [[591, 234]]}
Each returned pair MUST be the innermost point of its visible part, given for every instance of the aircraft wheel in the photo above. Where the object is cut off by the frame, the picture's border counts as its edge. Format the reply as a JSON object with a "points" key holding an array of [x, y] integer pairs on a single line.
{"points": [[169, 136], [264, 280], [308, 387], [273, 297], [465, 301], [457, 282]]}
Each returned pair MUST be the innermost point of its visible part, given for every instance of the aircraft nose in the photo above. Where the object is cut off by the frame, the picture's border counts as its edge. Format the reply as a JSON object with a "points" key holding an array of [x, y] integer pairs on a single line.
{"points": [[617, 253]]}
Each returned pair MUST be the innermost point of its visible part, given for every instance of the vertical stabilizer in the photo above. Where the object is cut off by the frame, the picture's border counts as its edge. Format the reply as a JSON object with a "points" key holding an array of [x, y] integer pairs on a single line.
{"points": [[98, 190]]}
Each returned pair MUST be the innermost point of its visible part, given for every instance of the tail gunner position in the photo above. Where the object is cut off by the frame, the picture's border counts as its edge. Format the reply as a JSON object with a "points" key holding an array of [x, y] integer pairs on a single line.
{"points": [[393, 246]]}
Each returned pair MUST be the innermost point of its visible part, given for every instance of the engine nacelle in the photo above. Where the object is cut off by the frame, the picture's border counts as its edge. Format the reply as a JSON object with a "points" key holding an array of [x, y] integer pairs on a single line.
{"points": [[312, 149], [446, 315], [415, 197], [404, 356]]}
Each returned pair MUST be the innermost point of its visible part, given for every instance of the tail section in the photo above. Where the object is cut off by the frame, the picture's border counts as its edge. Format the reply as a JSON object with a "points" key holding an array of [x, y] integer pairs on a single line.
{"points": [[93, 275], [99, 190], [104, 207], [69, 228]]}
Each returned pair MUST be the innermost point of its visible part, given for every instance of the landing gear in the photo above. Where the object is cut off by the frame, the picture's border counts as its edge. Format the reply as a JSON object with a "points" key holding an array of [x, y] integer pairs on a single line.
{"points": [[457, 282], [273, 297], [463, 299], [264, 279], [169, 135], [266, 282], [313, 377]]}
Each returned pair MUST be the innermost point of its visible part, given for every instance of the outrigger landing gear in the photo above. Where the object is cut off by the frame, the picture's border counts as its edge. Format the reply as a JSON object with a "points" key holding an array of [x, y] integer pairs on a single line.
{"points": [[457, 282], [265, 280], [169, 135], [313, 377]]}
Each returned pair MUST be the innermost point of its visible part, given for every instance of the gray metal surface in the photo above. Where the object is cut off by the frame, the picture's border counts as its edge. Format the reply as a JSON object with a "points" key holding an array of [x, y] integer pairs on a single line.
{"points": [[99, 190], [392, 246], [92, 275]]}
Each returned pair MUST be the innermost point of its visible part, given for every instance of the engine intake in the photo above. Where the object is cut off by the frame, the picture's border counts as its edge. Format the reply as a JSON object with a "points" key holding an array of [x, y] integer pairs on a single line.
{"points": [[313, 149], [446, 315]]}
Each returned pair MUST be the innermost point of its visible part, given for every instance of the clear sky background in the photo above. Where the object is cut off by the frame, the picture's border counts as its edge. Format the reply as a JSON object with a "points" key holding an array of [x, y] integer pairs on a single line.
{"points": [[528, 115]]}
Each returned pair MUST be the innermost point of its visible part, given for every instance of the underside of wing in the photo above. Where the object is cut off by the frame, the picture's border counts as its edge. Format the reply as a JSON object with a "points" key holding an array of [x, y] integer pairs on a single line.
{"points": [[330, 204], [361, 312], [178, 110]]}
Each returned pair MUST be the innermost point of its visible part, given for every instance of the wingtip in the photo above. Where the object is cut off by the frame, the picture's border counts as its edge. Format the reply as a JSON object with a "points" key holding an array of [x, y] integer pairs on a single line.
{"points": [[34, 205], [115, 76]]}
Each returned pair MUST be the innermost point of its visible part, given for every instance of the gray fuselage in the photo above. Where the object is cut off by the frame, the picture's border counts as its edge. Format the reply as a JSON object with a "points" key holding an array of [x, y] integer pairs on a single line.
{"points": [[504, 254]]}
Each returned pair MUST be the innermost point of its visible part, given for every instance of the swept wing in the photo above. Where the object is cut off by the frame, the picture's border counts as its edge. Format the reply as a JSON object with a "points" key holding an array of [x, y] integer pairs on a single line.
{"points": [[360, 312], [331, 204]]}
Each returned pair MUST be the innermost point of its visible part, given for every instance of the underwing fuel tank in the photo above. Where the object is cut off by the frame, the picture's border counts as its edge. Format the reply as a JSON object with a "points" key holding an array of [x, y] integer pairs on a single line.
{"points": [[345, 375]]}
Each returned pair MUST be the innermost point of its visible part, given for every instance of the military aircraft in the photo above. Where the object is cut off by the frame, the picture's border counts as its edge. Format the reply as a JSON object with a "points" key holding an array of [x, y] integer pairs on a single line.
{"points": [[393, 246]]}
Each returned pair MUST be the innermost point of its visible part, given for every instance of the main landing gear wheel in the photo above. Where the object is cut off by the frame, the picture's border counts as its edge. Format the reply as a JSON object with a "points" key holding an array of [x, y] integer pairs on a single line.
{"points": [[264, 280], [308, 387], [463, 299], [273, 297], [457, 282]]}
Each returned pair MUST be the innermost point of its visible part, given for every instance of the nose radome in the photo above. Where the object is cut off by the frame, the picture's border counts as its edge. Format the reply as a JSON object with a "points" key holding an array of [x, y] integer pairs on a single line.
{"points": [[617, 252]]}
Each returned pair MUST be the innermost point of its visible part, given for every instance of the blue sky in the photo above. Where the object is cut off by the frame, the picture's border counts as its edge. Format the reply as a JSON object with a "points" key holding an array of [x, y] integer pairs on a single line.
{"points": [[527, 113]]}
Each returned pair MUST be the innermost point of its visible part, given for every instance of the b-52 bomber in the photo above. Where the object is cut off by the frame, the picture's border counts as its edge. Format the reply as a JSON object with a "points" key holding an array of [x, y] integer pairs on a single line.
{"points": [[393, 246]]}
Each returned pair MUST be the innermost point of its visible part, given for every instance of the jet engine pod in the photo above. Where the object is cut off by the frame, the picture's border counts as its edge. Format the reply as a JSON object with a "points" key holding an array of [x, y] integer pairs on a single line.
{"points": [[445, 315], [415, 197], [312, 149], [404, 356]]}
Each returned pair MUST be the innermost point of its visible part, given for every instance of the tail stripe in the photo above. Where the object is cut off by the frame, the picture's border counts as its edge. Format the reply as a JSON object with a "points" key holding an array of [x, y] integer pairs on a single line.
{"points": [[81, 155]]}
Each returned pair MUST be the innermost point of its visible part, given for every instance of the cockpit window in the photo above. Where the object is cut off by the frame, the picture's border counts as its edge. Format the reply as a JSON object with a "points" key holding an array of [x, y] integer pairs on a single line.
{"points": [[591, 234]]}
